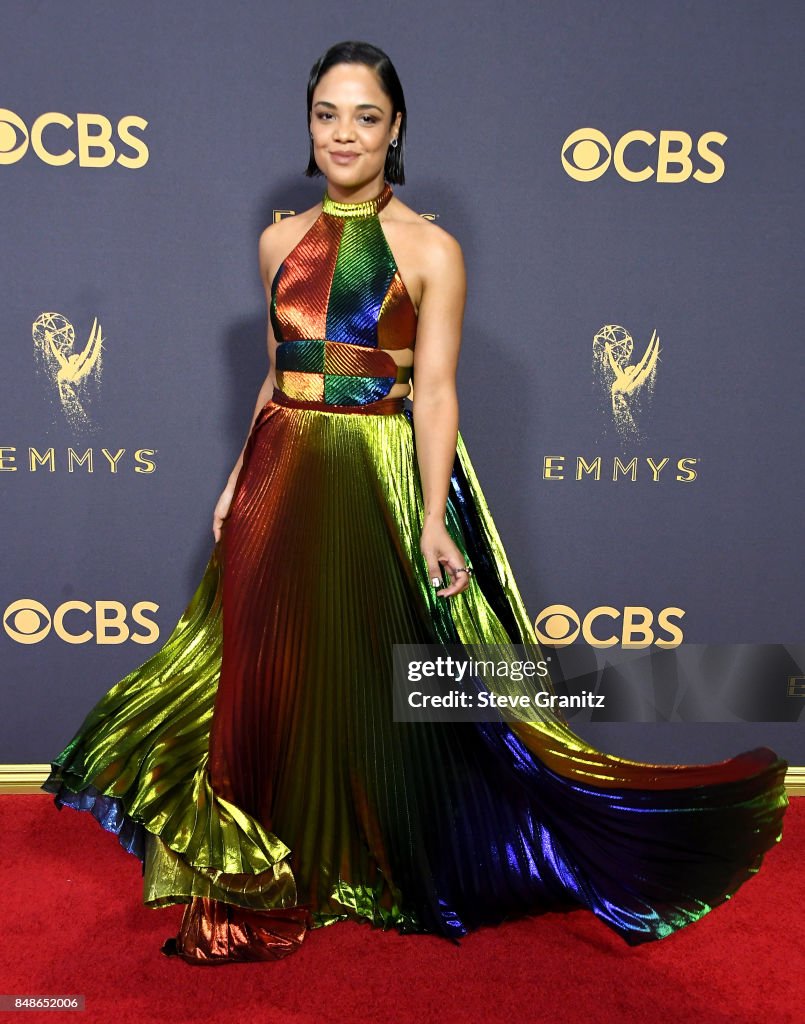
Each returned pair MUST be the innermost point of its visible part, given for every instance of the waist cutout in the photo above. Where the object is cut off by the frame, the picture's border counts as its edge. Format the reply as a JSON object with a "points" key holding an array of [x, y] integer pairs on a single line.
{"points": [[382, 407]]}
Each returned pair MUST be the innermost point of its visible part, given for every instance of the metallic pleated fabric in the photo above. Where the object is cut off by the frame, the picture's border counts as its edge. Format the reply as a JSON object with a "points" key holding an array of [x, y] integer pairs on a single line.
{"points": [[253, 764], [338, 306]]}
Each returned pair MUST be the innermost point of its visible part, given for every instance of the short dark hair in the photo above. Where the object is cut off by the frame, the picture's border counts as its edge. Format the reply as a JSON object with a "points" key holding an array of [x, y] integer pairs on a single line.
{"points": [[352, 52]]}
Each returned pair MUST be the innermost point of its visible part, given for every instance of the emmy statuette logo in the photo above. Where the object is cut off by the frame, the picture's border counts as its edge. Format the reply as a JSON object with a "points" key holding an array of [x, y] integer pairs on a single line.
{"points": [[73, 372], [626, 384]]}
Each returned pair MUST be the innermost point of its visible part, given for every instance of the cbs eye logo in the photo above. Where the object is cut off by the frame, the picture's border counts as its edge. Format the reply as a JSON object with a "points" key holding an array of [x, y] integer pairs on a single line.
{"points": [[28, 622], [52, 135], [587, 153], [558, 625]]}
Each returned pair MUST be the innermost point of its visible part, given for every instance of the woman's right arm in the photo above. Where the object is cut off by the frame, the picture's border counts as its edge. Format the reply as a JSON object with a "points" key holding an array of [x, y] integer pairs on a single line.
{"points": [[268, 267]]}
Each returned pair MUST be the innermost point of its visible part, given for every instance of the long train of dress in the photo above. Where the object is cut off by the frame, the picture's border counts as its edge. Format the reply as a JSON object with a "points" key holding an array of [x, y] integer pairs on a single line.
{"points": [[253, 764]]}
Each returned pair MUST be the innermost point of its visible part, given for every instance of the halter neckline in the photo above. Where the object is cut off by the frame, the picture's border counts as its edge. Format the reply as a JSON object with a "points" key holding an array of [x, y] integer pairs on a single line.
{"points": [[365, 208]]}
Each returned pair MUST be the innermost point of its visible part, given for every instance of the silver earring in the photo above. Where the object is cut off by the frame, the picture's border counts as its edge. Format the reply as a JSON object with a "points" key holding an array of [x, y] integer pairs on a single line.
{"points": [[394, 142]]}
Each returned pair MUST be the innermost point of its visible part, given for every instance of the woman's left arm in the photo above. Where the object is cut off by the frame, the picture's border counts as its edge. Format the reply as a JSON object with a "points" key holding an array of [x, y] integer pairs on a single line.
{"points": [[438, 341]]}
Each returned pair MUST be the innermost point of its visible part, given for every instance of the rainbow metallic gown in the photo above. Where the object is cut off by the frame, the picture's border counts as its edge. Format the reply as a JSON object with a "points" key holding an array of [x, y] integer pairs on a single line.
{"points": [[253, 764]]}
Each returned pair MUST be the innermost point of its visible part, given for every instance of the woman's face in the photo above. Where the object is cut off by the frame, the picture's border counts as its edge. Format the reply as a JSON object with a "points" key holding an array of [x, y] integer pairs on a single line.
{"points": [[350, 123]]}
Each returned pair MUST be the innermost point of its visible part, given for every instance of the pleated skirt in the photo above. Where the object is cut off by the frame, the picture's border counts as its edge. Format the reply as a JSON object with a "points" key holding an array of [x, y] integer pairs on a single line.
{"points": [[254, 766]]}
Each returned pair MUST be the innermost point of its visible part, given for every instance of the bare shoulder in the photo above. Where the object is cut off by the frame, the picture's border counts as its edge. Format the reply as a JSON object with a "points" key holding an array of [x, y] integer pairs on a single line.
{"points": [[427, 254], [440, 254], [442, 250], [424, 233], [280, 237]]}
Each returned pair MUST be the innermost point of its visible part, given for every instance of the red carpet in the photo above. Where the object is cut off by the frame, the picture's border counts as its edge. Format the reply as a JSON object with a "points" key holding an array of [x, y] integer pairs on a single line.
{"points": [[75, 925]]}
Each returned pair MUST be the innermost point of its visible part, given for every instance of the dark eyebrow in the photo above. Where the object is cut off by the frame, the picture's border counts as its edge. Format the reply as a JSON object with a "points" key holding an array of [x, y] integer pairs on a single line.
{"points": [[358, 106]]}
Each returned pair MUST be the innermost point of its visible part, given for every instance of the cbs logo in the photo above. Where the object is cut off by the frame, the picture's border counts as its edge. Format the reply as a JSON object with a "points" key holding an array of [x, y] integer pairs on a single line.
{"points": [[76, 622], [51, 136], [587, 153], [559, 625]]}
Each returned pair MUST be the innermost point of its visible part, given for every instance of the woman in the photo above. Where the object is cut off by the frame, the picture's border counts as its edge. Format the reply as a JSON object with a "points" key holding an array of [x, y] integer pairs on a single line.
{"points": [[253, 764]]}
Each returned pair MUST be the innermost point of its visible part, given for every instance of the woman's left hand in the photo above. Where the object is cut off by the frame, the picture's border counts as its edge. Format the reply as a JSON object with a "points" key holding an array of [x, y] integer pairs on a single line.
{"points": [[439, 549]]}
